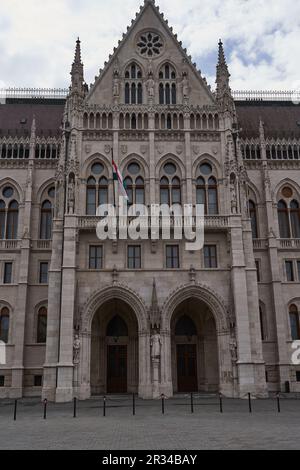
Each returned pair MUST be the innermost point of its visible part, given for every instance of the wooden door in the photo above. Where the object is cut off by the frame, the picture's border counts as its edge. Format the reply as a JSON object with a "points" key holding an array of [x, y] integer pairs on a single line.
{"points": [[187, 368], [116, 369]]}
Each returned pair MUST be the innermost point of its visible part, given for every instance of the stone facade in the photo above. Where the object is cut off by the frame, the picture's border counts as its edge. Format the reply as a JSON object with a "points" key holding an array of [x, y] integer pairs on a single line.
{"points": [[152, 107]]}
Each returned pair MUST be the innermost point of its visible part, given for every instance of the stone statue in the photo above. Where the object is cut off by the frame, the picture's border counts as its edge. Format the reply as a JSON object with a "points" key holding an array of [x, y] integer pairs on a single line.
{"points": [[76, 349], [185, 86], [155, 345], [233, 349], [116, 87], [150, 86], [233, 194], [71, 196]]}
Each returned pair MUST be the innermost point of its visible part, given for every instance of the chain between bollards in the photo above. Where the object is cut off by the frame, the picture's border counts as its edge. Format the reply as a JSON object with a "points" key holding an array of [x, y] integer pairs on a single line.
{"points": [[45, 408], [192, 403], [15, 410], [162, 404], [74, 407], [104, 406], [249, 403], [133, 404]]}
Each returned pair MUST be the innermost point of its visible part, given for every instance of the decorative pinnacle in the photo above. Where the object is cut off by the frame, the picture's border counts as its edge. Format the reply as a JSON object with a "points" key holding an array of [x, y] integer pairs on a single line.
{"points": [[77, 59], [221, 55]]}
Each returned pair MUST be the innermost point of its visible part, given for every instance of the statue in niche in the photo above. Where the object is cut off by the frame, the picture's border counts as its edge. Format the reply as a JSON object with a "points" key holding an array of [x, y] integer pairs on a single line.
{"points": [[185, 86], [116, 85], [233, 194], [71, 195], [155, 343], [76, 349]]}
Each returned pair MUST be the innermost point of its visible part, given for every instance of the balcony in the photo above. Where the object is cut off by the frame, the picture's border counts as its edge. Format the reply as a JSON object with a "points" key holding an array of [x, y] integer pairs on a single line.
{"points": [[10, 245], [212, 222], [289, 243], [41, 245]]}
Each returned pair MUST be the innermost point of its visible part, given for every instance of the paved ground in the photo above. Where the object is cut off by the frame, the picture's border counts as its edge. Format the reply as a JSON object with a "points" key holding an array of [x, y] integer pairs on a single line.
{"points": [[177, 429]]}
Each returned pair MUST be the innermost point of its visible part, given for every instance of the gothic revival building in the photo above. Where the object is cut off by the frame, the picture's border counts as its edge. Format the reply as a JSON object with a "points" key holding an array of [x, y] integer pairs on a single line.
{"points": [[81, 316]]}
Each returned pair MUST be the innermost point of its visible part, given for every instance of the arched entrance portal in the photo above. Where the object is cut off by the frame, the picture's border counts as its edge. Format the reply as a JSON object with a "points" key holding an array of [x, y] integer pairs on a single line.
{"points": [[194, 348], [114, 349]]}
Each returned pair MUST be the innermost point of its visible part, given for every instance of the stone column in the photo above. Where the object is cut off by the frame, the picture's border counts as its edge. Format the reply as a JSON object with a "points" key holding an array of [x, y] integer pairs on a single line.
{"points": [[240, 299], [21, 303], [145, 386], [253, 306], [54, 298], [188, 160], [166, 386], [64, 391]]}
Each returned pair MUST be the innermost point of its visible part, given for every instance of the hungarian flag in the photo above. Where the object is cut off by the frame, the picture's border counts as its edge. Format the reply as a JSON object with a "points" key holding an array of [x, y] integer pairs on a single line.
{"points": [[118, 177]]}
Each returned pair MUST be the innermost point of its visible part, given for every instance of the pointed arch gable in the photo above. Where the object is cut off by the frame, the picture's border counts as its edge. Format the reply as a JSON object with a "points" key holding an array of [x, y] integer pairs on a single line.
{"points": [[203, 293], [115, 291], [10, 181], [207, 157], [286, 182], [169, 157], [43, 187], [139, 159], [90, 160]]}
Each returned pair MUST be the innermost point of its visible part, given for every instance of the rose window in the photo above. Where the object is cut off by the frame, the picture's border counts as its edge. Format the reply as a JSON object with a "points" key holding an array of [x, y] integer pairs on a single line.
{"points": [[150, 44]]}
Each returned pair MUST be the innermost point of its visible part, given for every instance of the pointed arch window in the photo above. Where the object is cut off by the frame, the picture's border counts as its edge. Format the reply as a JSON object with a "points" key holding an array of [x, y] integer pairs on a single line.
{"points": [[12, 221], [295, 218], [170, 185], [46, 221], [134, 184], [96, 189], [207, 189], [2, 220], [289, 219], [133, 85], [4, 324], [42, 325], [283, 220], [185, 327], [117, 327], [253, 218], [294, 322], [167, 86]]}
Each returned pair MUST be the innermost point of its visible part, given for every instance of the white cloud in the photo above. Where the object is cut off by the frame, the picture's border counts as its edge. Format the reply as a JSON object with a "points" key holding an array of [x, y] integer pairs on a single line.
{"points": [[262, 38]]}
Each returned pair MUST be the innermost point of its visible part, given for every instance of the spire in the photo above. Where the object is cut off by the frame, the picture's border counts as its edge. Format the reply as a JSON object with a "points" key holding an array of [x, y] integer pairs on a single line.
{"points": [[77, 69], [223, 94], [223, 74], [154, 309]]}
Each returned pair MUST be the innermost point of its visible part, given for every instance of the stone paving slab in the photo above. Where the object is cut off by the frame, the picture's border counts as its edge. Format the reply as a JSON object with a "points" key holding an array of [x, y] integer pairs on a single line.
{"points": [[177, 429]]}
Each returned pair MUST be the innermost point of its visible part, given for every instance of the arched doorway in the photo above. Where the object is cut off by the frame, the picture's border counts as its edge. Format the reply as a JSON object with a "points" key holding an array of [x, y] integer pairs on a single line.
{"points": [[114, 349], [194, 347]]}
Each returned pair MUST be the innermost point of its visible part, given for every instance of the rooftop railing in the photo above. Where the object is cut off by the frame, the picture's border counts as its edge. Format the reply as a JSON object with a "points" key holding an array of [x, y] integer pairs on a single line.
{"points": [[239, 95], [267, 95], [34, 93]]}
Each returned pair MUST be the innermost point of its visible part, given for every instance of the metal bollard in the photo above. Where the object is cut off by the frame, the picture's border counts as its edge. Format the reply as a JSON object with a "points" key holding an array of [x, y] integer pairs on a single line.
{"points": [[133, 404], [192, 403], [278, 403], [15, 410], [249, 402], [221, 402], [74, 407], [104, 406], [45, 408], [163, 404]]}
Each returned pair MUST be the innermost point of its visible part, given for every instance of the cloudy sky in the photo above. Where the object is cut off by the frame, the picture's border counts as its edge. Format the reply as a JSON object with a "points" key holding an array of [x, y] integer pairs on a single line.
{"points": [[261, 37]]}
